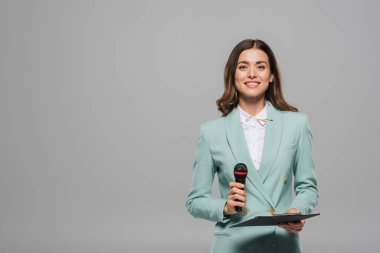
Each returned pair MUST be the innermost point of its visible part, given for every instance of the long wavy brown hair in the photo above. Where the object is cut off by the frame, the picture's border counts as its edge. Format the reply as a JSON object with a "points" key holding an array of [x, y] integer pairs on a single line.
{"points": [[230, 97]]}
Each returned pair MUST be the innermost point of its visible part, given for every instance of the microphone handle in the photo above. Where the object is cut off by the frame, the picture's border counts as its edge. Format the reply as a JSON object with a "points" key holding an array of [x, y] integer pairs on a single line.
{"points": [[240, 181]]}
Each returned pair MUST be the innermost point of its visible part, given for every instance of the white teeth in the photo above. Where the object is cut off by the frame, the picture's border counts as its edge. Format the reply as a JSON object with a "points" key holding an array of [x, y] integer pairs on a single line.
{"points": [[252, 83]]}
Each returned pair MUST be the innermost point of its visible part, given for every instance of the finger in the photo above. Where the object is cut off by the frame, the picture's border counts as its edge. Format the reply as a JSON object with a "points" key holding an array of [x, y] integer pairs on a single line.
{"points": [[236, 203], [297, 222], [238, 197], [294, 224], [296, 230], [237, 185], [292, 210], [285, 226], [238, 191], [291, 227]]}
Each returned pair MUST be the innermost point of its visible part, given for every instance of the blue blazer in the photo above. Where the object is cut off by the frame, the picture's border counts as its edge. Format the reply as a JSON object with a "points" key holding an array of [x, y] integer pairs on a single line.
{"points": [[287, 158]]}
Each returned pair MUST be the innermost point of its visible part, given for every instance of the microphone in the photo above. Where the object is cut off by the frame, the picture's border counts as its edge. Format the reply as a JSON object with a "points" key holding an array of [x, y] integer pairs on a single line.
{"points": [[240, 173]]}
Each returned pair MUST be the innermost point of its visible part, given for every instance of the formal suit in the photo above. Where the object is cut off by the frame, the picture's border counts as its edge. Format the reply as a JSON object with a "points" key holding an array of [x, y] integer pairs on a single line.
{"points": [[287, 156]]}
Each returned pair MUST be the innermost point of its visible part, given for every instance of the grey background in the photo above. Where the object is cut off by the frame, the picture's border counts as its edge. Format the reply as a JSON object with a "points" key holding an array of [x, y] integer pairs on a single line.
{"points": [[101, 103]]}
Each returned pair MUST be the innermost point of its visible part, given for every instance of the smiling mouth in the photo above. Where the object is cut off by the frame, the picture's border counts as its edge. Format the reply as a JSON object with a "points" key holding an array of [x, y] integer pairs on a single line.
{"points": [[252, 84]]}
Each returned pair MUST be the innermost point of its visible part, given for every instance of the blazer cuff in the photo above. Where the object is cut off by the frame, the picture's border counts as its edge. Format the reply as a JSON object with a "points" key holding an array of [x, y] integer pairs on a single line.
{"points": [[224, 218]]}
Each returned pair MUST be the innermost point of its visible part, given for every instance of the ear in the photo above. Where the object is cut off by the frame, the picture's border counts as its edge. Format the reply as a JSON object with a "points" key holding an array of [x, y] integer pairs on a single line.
{"points": [[271, 78]]}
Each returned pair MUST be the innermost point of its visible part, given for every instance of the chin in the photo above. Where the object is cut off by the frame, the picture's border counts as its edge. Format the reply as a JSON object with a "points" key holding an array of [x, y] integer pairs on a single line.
{"points": [[255, 94]]}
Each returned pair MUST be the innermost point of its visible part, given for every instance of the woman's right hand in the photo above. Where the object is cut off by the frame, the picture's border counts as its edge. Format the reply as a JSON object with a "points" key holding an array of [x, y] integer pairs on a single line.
{"points": [[236, 197]]}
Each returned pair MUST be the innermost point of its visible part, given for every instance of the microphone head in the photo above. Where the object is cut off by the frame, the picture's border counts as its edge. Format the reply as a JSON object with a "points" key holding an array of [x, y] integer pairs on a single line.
{"points": [[240, 171]]}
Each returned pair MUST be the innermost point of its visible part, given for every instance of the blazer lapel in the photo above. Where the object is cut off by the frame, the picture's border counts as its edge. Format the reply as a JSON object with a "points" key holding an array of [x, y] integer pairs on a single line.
{"points": [[272, 140], [237, 143]]}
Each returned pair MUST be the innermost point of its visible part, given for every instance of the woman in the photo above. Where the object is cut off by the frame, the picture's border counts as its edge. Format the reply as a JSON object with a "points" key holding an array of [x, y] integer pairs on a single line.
{"points": [[260, 129]]}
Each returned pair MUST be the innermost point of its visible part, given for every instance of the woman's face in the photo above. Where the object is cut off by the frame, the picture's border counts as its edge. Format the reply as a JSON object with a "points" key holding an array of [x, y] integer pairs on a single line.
{"points": [[252, 74]]}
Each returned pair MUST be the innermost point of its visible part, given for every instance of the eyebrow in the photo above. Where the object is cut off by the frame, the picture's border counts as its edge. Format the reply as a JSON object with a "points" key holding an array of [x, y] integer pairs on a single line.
{"points": [[258, 62]]}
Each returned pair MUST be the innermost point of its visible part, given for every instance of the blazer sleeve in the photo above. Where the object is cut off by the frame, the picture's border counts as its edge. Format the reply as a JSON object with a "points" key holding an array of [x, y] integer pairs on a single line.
{"points": [[200, 202], [305, 183]]}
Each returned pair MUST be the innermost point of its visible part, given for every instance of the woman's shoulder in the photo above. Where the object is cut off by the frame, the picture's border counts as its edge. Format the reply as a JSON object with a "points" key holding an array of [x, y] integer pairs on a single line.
{"points": [[298, 116], [296, 119], [213, 125], [213, 130]]}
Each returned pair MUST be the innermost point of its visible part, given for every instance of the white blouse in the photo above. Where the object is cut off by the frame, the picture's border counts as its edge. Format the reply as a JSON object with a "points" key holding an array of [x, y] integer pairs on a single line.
{"points": [[254, 131]]}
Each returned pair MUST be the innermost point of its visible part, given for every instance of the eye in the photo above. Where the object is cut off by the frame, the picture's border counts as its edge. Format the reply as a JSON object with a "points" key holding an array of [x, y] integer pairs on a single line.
{"points": [[261, 67], [242, 67]]}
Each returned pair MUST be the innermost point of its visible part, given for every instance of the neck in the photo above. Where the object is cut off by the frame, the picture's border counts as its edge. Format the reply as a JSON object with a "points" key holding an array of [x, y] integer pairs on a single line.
{"points": [[252, 106]]}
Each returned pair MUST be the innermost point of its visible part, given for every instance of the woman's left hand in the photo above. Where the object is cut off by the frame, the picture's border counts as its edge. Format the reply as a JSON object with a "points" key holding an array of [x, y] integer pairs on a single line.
{"points": [[293, 227]]}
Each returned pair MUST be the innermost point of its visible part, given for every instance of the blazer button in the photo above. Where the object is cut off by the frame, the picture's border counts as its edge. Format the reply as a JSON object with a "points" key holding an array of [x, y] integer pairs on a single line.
{"points": [[272, 211]]}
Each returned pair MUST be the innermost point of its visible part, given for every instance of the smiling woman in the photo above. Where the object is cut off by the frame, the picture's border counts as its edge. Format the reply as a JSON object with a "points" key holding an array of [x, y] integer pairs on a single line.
{"points": [[260, 129], [252, 61]]}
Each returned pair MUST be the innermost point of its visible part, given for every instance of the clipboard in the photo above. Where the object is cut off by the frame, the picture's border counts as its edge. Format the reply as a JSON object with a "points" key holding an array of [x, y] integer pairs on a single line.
{"points": [[274, 220]]}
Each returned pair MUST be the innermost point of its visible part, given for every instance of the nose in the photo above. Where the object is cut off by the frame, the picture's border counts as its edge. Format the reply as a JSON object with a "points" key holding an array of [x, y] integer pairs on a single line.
{"points": [[251, 73]]}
